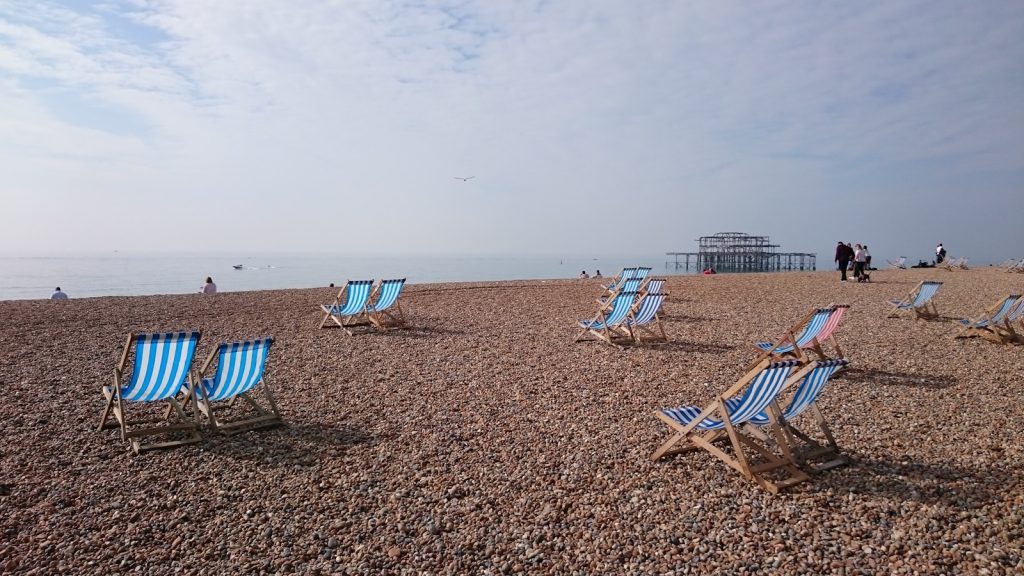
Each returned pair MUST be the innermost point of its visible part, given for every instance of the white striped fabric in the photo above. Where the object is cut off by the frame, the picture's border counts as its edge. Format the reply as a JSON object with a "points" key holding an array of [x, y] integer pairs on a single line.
{"points": [[387, 295], [641, 273], [357, 292], [626, 274], [924, 294], [620, 309], [1017, 312], [654, 286], [809, 333], [161, 365], [649, 307], [239, 368], [807, 391], [758, 395]]}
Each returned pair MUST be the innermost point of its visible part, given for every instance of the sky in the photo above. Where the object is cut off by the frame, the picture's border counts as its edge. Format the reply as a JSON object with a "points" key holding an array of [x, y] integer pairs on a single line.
{"points": [[589, 127]]}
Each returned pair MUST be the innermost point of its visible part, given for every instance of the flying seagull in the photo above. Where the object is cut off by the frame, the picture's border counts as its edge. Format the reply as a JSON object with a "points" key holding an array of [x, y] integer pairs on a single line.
{"points": [[466, 179]]}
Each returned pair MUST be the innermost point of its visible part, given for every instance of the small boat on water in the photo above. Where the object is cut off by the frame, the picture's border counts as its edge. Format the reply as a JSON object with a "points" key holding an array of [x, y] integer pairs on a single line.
{"points": [[238, 266]]}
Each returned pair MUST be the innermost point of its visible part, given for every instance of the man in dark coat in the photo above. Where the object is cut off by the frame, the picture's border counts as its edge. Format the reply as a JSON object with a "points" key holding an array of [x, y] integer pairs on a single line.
{"points": [[843, 256]]}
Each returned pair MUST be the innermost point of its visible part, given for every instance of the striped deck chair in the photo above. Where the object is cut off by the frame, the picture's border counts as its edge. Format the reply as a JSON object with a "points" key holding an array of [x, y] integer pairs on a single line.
{"points": [[643, 319], [607, 324], [1012, 322], [352, 312], [624, 274], [956, 264], [701, 428], [800, 336], [159, 369], [1016, 266], [806, 450], [630, 285], [653, 286], [240, 369], [827, 333], [918, 302], [899, 263], [987, 325], [386, 312]]}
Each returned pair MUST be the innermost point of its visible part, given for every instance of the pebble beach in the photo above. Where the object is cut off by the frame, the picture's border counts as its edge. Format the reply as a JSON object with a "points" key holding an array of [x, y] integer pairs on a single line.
{"points": [[483, 440]]}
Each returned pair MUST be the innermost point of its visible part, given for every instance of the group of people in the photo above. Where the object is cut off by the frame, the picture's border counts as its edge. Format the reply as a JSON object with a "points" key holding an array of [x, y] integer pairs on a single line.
{"points": [[858, 255], [208, 288], [597, 274]]}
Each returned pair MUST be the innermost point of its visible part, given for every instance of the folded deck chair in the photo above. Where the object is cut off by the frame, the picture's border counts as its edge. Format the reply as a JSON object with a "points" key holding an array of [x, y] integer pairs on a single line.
{"points": [[349, 308], [900, 263], [643, 319], [386, 312], [918, 302], [607, 324], [240, 369], [806, 450], [801, 335], [987, 325], [700, 428], [159, 369], [957, 264]]}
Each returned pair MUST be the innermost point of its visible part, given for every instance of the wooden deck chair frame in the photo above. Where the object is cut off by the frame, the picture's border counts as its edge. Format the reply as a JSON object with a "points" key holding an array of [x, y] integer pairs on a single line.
{"points": [[828, 334], [265, 416], [653, 328], [1014, 320], [816, 455], [115, 405], [993, 318], [762, 446], [926, 311], [390, 317], [347, 321], [615, 332], [789, 338]]}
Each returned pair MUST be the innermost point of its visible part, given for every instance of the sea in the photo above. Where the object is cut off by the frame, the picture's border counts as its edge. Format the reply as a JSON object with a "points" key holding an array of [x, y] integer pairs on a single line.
{"points": [[136, 274]]}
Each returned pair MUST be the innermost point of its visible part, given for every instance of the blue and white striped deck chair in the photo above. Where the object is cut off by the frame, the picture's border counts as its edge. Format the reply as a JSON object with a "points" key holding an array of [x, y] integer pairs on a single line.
{"points": [[349, 308], [987, 325], [161, 364], [805, 449], [654, 286], [643, 319], [700, 428], [800, 336], [918, 302], [386, 312], [607, 324], [240, 369], [630, 285], [1012, 322]]}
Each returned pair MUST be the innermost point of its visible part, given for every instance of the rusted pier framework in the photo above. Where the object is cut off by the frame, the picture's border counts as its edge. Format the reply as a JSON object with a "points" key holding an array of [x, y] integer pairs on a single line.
{"points": [[739, 252]]}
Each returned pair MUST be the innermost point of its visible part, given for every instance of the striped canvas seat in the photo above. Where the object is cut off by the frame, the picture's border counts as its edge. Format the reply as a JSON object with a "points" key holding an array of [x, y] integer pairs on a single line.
{"points": [[644, 318], [162, 363], [386, 312], [349, 308], [811, 329], [631, 285], [625, 274], [606, 324], [919, 301], [753, 456], [240, 368]]}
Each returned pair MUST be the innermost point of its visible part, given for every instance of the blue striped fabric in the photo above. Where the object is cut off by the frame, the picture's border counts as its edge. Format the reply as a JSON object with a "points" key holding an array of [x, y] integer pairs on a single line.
{"points": [[655, 285], [620, 308], [759, 394], [626, 274], [648, 308], [239, 368], [807, 391], [809, 333], [1006, 306], [1017, 312], [357, 292], [387, 295], [161, 365], [641, 273], [924, 294]]}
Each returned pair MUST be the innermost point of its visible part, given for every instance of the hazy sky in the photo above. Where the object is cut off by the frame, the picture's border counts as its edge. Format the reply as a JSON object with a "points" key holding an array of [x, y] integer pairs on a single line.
{"points": [[590, 126]]}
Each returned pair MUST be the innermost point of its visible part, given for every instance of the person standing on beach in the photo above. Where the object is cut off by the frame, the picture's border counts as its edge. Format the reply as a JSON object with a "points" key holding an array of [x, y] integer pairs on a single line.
{"points": [[58, 295], [867, 263], [843, 256], [860, 257], [209, 287], [940, 253]]}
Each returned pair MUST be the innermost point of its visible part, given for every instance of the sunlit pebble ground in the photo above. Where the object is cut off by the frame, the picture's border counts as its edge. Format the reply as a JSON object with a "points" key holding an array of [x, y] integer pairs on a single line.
{"points": [[483, 440]]}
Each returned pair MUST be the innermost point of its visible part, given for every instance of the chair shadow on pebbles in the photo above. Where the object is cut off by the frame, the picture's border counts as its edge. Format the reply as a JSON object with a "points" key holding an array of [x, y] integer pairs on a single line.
{"points": [[907, 379], [945, 483], [290, 445]]}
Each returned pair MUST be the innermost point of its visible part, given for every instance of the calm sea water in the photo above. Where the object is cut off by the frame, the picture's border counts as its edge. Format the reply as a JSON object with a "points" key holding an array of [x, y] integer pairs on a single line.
{"points": [[119, 274]]}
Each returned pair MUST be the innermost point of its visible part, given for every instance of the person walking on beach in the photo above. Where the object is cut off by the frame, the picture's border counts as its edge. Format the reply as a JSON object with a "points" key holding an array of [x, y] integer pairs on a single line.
{"points": [[940, 253], [843, 256], [58, 295], [867, 263], [860, 257], [209, 287]]}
